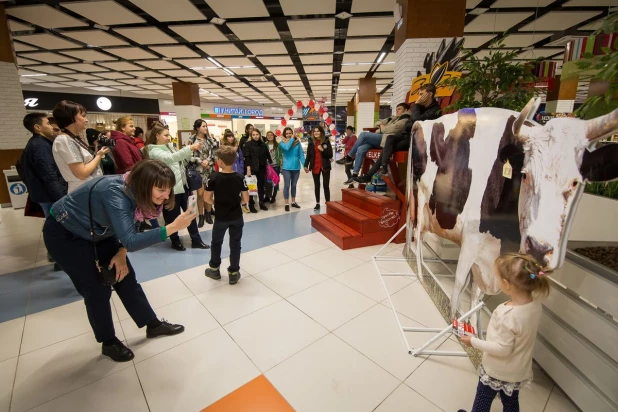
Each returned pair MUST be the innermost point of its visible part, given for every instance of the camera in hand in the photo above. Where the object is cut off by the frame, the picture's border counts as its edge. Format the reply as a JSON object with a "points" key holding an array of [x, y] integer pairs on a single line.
{"points": [[102, 140]]}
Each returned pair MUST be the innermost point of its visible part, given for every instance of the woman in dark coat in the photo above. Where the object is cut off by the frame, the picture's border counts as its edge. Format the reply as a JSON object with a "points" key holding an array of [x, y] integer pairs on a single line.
{"points": [[257, 157], [318, 161]]}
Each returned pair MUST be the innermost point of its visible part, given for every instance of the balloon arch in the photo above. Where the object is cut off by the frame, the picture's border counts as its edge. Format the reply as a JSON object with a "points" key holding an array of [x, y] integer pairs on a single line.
{"points": [[318, 105]]}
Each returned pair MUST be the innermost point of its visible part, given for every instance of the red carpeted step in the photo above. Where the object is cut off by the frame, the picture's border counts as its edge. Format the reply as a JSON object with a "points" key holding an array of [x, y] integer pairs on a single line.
{"points": [[335, 231], [354, 217], [368, 201]]}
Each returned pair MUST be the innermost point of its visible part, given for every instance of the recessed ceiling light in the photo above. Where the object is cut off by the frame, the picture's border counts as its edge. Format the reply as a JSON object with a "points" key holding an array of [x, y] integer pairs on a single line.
{"points": [[101, 27], [250, 55], [216, 63], [339, 52], [478, 11], [343, 15], [228, 71], [217, 20], [33, 75]]}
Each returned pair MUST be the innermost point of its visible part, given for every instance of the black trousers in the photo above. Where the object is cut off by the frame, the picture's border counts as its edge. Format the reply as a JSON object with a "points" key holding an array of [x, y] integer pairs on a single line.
{"points": [[218, 233], [326, 182], [76, 257], [485, 396], [348, 170], [394, 143], [170, 215], [261, 181]]}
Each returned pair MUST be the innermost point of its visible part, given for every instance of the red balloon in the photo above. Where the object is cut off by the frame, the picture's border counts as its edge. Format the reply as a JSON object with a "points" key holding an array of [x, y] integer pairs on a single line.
{"points": [[299, 104], [284, 122], [322, 111], [328, 121], [333, 132], [291, 112], [278, 132], [311, 103]]}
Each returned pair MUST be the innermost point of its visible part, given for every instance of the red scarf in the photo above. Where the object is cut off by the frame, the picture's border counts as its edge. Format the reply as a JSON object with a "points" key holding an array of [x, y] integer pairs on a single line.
{"points": [[139, 215]]}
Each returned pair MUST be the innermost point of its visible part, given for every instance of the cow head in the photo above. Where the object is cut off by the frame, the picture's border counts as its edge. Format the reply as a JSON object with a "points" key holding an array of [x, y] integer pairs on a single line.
{"points": [[551, 174]]}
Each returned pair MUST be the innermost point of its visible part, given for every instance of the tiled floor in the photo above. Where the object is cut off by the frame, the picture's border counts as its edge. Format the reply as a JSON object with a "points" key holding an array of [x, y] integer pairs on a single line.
{"points": [[306, 328]]}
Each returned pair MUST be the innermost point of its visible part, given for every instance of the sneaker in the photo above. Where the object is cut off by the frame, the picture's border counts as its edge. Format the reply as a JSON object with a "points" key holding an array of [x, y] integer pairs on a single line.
{"points": [[294, 204], [287, 208], [212, 273], [348, 160], [351, 186], [234, 277], [363, 179], [164, 329], [340, 161], [350, 180], [117, 351]]}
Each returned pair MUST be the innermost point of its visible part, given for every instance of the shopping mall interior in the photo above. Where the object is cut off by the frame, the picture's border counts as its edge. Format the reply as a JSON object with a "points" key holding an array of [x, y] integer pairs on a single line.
{"points": [[347, 305]]}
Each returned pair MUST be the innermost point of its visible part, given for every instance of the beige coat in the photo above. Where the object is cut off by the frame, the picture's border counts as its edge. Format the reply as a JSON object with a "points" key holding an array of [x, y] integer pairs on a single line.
{"points": [[395, 126]]}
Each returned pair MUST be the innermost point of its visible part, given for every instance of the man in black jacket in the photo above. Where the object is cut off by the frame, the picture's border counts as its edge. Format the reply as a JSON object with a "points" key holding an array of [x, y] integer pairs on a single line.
{"points": [[41, 175], [425, 108]]}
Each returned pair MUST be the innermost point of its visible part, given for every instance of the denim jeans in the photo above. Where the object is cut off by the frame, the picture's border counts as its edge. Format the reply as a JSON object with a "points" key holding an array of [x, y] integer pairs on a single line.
{"points": [[290, 177], [218, 233], [366, 141]]}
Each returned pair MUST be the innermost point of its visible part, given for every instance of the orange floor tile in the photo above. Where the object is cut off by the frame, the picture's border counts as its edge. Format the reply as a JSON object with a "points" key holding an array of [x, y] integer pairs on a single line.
{"points": [[259, 395]]}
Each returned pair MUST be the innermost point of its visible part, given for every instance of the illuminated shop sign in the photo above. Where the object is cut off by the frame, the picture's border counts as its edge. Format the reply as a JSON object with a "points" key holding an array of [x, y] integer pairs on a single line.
{"points": [[239, 111]]}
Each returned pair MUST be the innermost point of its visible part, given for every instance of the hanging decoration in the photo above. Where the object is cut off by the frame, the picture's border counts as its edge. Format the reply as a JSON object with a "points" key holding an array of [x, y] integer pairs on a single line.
{"points": [[317, 105]]}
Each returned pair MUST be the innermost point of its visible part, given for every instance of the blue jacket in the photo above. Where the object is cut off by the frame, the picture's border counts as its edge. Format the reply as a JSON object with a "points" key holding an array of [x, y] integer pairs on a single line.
{"points": [[113, 210], [41, 175], [293, 157]]}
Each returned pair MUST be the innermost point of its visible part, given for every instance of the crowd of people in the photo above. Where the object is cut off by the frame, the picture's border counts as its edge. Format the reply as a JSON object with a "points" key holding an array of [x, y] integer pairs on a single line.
{"points": [[93, 221]]}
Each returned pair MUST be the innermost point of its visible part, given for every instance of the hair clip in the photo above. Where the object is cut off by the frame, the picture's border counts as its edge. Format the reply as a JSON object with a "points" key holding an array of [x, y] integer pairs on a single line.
{"points": [[541, 273], [532, 276]]}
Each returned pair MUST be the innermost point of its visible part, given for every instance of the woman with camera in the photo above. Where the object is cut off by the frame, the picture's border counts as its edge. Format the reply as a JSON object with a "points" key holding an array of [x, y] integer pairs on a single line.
{"points": [[73, 157], [89, 233]]}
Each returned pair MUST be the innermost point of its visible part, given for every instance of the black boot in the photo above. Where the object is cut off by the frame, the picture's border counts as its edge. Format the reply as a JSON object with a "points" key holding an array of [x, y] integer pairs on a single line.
{"points": [[117, 351], [178, 246], [263, 206], [252, 208], [209, 218], [317, 207], [201, 222]]}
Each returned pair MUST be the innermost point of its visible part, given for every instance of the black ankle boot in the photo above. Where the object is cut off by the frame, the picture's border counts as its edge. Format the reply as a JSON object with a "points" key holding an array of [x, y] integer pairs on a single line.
{"points": [[208, 217], [178, 246], [201, 221], [252, 208], [263, 206]]}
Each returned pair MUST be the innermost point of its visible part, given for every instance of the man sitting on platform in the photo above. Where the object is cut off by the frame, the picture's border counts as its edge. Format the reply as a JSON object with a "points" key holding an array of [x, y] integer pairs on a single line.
{"points": [[367, 140], [425, 108]]}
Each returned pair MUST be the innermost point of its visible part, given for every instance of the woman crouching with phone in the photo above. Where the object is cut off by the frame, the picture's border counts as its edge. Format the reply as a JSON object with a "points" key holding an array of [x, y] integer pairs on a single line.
{"points": [[112, 206]]}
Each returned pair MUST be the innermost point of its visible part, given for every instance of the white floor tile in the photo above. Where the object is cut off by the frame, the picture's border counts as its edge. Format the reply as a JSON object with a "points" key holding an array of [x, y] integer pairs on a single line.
{"points": [[331, 376], [55, 325], [320, 238], [15, 264], [195, 374], [331, 262], [558, 403], [299, 247], [404, 399], [365, 279], [160, 292], [55, 370], [290, 278], [367, 253], [11, 332], [331, 304], [274, 333], [118, 392], [7, 376], [414, 302], [197, 282], [375, 334], [262, 259], [396, 266], [188, 312], [230, 302]]}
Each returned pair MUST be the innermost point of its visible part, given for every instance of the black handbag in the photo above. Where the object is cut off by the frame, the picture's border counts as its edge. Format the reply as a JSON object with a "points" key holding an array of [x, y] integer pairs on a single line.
{"points": [[107, 277], [194, 178]]}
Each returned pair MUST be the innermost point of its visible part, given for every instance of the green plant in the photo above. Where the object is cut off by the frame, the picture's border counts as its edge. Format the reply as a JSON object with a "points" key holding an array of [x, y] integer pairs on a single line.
{"points": [[609, 189], [607, 66], [494, 81]]}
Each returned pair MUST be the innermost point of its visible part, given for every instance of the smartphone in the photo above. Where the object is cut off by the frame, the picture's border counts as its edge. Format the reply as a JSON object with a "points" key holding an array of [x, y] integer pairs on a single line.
{"points": [[192, 203]]}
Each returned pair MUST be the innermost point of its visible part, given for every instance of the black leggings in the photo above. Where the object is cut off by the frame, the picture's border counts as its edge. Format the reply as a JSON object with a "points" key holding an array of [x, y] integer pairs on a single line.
{"points": [[181, 200], [316, 184]]}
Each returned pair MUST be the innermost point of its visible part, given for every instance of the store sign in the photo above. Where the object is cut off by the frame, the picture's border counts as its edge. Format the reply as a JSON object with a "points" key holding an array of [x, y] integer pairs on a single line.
{"points": [[239, 111], [35, 100]]}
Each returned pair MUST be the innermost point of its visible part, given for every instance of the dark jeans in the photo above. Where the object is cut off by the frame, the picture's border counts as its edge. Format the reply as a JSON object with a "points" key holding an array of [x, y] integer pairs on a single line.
{"points": [[316, 185], [170, 215], [290, 179], [76, 256], [485, 396], [154, 223], [261, 180], [393, 143], [218, 233]]}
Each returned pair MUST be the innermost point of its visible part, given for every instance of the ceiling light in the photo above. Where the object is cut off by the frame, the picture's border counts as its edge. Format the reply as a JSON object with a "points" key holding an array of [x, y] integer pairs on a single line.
{"points": [[343, 15], [228, 71], [339, 52], [478, 11], [101, 27], [33, 75], [216, 63], [250, 55], [217, 20], [382, 56]]}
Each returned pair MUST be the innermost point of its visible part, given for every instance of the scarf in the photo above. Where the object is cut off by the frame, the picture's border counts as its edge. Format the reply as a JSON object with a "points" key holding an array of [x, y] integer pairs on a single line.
{"points": [[139, 215]]}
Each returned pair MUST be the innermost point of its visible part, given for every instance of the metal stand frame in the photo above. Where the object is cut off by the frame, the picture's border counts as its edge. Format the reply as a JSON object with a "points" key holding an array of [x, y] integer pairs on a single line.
{"points": [[440, 332]]}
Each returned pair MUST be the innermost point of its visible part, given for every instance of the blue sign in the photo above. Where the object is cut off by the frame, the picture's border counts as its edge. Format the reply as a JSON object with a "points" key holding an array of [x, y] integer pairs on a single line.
{"points": [[239, 111], [18, 189]]}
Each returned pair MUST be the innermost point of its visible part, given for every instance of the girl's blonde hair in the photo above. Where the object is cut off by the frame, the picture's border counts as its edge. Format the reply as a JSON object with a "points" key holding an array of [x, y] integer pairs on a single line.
{"points": [[122, 122], [524, 273]]}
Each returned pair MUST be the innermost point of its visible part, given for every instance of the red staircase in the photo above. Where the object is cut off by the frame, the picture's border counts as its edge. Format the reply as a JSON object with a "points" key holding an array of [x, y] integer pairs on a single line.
{"points": [[360, 219]]}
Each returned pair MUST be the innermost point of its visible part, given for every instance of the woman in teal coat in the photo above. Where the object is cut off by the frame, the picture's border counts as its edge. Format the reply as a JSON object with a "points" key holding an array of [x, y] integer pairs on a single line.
{"points": [[158, 148]]}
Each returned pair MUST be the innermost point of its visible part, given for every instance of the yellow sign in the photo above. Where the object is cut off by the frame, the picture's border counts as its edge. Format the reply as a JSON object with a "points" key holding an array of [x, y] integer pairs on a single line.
{"points": [[439, 74]]}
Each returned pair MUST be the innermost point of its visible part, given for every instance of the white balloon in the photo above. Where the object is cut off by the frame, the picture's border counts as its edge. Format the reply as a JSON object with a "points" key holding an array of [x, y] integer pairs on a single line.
{"points": [[325, 115], [332, 126], [286, 117]]}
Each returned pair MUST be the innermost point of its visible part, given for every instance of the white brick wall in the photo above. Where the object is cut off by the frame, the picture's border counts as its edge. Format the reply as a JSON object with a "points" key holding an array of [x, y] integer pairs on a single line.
{"points": [[12, 110], [565, 106], [408, 62], [365, 114]]}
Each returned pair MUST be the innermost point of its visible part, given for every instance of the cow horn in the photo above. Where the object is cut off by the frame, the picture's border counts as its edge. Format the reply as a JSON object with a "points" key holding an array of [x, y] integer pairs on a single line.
{"points": [[602, 126], [526, 113]]}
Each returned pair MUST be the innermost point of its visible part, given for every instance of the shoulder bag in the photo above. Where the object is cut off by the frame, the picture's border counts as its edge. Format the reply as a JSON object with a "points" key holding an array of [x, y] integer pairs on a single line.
{"points": [[107, 277]]}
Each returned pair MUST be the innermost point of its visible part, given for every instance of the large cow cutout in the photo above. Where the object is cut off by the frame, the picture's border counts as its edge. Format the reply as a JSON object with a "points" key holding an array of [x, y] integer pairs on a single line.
{"points": [[463, 196]]}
